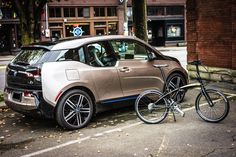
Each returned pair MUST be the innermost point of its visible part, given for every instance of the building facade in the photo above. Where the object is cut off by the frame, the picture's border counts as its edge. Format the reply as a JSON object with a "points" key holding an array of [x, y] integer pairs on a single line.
{"points": [[75, 18], [211, 37], [65, 18], [166, 24]]}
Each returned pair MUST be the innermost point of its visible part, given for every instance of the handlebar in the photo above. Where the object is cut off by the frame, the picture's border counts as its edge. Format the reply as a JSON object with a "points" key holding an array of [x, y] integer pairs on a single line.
{"points": [[196, 63]]}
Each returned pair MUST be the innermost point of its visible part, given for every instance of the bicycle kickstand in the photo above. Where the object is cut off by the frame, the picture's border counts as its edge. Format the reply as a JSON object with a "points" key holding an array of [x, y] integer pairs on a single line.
{"points": [[174, 116]]}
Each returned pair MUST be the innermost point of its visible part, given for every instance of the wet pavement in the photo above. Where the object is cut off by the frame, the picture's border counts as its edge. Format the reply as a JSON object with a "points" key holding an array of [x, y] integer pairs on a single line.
{"points": [[119, 133]]}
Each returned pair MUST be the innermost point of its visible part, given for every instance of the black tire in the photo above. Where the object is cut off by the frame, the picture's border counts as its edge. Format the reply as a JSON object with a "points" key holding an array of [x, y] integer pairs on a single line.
{"points": [[145, 109], [74, 110], [215, 113], [174, 81]]}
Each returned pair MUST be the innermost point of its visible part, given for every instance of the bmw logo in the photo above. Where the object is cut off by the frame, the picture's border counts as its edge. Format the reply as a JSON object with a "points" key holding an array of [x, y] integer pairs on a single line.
{"points": [[78, 31]]}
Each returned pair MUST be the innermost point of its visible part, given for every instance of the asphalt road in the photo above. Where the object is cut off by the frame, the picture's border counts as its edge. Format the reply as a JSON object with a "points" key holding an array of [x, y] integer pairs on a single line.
{"points": [[119, 133]]}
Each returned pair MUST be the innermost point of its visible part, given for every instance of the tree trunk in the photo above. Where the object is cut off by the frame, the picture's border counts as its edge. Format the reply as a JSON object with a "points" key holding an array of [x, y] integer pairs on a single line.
{"points": [[29, 14], [140, 19]]}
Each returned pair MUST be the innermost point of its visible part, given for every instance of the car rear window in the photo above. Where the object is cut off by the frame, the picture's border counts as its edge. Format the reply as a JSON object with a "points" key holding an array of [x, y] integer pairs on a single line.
{"points": [[30, 56]]}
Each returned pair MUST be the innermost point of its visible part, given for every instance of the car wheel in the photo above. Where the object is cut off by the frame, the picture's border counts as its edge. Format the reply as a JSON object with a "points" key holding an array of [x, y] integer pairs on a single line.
{"points": [[174, 81], [74, 110]]}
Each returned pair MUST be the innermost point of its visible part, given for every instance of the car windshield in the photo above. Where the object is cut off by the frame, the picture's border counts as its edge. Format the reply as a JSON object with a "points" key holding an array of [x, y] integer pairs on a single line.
{"points": [[30, 56]]}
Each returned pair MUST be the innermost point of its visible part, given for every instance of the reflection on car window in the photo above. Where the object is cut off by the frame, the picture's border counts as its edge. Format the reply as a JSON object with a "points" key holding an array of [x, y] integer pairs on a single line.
{"points": [[30, 56], [72, 54], [129, 50], [100, 55]]}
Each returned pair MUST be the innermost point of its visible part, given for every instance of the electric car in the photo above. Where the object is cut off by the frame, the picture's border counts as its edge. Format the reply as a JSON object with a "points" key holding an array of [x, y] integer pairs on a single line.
{"points": [[72, 79]]}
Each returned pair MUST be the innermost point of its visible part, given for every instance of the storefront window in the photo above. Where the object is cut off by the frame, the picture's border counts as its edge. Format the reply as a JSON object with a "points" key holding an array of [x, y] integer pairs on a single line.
{"points": [[153, 11], [175, 10], [173, 31], [69, 12], [111, 11], [83, 12], [112, 28], [99, 11], [55, 12]]}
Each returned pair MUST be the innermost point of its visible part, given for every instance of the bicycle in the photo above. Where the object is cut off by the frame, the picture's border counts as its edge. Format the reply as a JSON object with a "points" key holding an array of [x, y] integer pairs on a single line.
{"points": [[153, 106]]}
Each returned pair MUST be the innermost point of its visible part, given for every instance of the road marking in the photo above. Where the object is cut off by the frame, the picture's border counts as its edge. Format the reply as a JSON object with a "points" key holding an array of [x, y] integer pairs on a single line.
{"points": [[102, 133], [80, 140], [162, 145], [57, 147]]}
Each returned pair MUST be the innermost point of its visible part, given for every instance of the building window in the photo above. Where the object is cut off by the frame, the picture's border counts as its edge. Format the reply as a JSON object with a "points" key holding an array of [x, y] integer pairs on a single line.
{"points": [[55, 12], [99, 11], [175, 10], [153, 11], [111, 11], [83, 12], [174, 31], [69, 12]]}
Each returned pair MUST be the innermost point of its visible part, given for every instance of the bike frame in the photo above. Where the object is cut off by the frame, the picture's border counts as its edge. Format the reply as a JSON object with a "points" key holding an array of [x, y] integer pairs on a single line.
{"points": [[186, 87]]}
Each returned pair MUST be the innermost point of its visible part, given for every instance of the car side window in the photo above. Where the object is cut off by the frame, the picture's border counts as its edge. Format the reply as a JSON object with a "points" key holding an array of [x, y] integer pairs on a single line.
{"points": [[129, 50], [72, 54], [101, 55]]}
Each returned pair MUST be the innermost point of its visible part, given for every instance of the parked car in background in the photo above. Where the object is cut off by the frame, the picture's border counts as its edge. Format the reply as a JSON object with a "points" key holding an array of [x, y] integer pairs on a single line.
{"points": [[72, 79]]}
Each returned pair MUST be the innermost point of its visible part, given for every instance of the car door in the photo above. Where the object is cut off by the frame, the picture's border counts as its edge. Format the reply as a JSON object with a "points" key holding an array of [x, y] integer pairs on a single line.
{"points": [[135, 71], [103, 71]]}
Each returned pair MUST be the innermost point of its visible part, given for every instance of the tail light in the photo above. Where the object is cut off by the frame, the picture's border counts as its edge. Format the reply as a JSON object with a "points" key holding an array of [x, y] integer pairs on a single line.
{"points": [[36, 73]]}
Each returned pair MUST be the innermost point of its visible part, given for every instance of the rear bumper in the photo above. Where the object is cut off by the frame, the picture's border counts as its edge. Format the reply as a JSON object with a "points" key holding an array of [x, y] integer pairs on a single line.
{"points": [[33, 104], [26, 103]]}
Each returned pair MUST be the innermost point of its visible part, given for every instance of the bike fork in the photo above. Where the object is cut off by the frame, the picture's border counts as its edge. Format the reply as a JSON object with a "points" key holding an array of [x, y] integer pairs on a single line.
{"points": [[209, 101]]}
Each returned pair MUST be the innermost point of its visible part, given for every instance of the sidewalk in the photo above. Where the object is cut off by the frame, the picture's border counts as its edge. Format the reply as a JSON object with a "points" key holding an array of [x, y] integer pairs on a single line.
{"points": [[4, 60]]}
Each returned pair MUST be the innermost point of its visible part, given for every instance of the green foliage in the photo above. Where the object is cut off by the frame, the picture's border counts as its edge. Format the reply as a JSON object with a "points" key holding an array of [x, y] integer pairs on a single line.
{"points": [[1, 97]]}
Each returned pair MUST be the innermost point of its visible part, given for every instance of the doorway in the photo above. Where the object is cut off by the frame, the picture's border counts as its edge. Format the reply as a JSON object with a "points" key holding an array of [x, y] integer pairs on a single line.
{"points": [[158, 32]]}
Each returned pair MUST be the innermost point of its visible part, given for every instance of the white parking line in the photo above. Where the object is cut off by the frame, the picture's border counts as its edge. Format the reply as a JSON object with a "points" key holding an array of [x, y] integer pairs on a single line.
{"points": [[80, 140], [57, 147], [97, 134]]}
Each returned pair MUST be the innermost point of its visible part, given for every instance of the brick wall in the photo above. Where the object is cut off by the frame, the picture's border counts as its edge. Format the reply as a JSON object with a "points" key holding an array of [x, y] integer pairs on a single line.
{"points": [[211, 27]]}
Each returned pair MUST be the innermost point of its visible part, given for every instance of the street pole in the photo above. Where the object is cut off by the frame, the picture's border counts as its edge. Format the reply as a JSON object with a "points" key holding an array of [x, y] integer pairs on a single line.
{"points": [[47, 31], [126, 32]]}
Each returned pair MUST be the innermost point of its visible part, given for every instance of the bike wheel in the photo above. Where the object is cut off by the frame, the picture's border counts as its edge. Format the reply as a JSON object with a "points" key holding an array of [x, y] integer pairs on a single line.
{"points": [[217, 111], [149, 111]]}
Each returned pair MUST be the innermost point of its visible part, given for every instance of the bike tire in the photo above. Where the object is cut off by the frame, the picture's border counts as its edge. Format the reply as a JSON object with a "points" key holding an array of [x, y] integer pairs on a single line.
{"points": [[145, 109], [215, 113]]}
